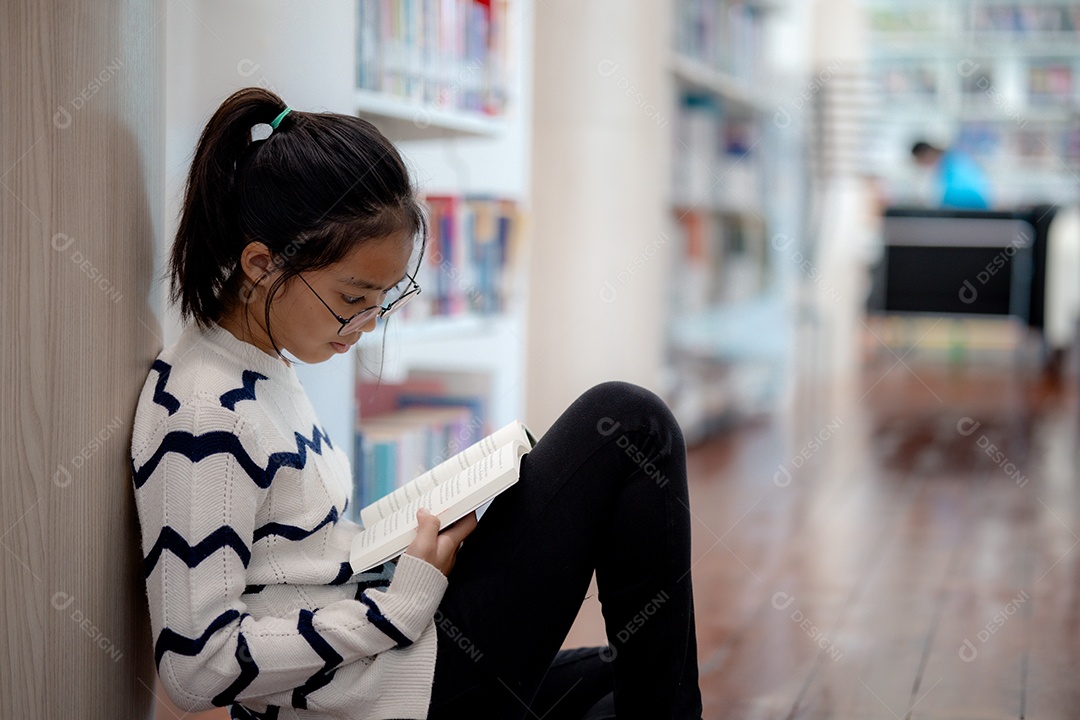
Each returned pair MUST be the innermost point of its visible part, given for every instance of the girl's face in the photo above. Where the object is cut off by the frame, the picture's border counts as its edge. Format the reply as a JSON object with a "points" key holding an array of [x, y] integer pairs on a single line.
{"points": [[301, 323]]}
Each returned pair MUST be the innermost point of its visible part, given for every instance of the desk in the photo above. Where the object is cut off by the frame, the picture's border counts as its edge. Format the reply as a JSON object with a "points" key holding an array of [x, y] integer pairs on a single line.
{"points": [[974, 262]]}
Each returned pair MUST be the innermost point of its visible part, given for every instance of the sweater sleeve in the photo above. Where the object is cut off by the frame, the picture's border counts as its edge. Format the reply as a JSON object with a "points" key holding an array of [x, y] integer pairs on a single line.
{"points": [[199, 481]]}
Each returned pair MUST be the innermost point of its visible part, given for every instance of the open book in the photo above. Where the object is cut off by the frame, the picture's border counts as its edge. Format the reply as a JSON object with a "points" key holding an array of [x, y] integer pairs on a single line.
{"points": [[450, 491]]}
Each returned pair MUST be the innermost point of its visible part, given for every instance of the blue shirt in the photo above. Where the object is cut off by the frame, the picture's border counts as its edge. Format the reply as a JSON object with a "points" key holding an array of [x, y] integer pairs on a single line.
{"points": [[962, 183]]}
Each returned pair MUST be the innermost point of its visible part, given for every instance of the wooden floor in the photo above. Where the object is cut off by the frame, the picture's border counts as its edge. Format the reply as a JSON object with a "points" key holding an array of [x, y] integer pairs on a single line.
{"points": [[903, 545], [869, 554]]}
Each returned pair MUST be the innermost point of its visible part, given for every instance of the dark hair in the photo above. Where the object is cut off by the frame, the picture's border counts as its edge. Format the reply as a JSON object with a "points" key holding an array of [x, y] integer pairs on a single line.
{"points": [[313, 190], [922, 147]]}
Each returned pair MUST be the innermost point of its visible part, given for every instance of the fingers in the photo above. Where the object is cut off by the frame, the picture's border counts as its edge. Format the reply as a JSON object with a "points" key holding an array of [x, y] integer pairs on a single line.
{"points": [[460, 529], [427, 532]]}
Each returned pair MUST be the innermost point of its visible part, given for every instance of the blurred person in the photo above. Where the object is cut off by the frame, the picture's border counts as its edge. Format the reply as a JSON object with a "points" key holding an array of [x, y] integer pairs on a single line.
{"points": [[961, 182]]}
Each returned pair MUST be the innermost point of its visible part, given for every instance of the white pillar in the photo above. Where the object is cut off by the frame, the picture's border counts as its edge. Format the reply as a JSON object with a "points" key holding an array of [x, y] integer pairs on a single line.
{"points": [[600, 252], [839, 54]]}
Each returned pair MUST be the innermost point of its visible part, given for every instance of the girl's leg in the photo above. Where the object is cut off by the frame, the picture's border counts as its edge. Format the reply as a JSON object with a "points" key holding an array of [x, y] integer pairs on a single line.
{"points": [[578, 680], [604, 489]]}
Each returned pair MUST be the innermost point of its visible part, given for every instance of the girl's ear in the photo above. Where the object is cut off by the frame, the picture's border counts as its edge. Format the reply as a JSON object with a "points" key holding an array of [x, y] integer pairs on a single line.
{"points": [[257, 262]]}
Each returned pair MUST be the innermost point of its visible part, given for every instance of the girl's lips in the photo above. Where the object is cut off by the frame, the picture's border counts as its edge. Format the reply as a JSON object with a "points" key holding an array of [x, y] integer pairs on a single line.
{"points": [[340, 347]]}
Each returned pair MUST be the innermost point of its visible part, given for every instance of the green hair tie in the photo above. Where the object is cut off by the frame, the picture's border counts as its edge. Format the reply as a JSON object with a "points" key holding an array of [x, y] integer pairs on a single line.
{"points": [[275, 121]]}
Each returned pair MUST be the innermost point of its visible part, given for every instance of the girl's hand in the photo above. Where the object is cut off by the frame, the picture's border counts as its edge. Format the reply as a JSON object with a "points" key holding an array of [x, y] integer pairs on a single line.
{"points": [[439, 548]]}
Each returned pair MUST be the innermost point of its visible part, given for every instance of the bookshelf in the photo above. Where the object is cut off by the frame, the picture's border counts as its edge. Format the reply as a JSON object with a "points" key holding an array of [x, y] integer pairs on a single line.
{"points": [[695, 73], [443, 80], [405, 120], [433, 68], [727, 338], [465, 318], [997, 78]]}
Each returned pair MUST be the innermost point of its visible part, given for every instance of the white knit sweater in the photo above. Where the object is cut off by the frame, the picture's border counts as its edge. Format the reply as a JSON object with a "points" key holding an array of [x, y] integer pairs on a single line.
{"points": [[240, 496]]}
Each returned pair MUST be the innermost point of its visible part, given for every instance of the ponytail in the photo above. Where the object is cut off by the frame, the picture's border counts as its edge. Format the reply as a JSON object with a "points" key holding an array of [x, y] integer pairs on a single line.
{"points": [[209, 239]]}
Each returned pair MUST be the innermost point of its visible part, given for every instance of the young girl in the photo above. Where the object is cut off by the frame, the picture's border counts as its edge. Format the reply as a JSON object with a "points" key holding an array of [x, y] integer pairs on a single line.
{"points": [[299, 242]]}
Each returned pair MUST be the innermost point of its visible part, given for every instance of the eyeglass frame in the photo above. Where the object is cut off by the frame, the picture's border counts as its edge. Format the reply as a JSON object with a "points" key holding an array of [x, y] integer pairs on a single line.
{"points": [[384, 310]]}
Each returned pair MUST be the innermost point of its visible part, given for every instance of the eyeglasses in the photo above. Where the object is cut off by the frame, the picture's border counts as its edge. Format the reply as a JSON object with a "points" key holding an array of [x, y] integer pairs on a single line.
{"points": [[357, 320]]}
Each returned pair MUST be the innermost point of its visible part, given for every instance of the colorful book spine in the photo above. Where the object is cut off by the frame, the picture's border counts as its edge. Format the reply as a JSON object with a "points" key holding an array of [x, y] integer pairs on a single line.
{"points": [[452, 54], [394, 447], [470, 260]]}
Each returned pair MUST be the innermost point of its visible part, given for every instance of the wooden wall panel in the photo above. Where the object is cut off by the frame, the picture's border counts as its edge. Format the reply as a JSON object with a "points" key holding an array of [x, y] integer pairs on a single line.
{"points": [[80, 206]]}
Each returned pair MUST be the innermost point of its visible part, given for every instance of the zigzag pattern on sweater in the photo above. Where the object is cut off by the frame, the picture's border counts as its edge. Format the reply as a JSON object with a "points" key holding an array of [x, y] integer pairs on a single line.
{"points": [[171, 641], [247, 392], [344, 573], [295, 533], [330, 656], [249, 670], [226, 536], [292, 532], [161, 396], [193, 555], [197, 447]]}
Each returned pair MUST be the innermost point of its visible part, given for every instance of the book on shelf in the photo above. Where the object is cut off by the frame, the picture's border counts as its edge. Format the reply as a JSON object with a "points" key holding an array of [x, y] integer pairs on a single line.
{"points": [[438, 388], [377, 398], [1026, 17], [698, 265], [698, 124], [906, 79], [720, 259], [726, 36], [447, 54], [1050, 82], [1021, 20], [450, 490], [392, 448], [471, 256], [903, 20], [715, 161], [405, 427]]}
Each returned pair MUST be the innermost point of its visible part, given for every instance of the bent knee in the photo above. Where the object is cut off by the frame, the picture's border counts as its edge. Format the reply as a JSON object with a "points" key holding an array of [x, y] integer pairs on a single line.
{"points": [[618, 404], [621, 392]]}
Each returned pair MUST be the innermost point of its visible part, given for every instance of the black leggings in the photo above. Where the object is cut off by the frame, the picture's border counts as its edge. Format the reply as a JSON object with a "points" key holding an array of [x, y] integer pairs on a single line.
{"points": [[604, 489]]}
